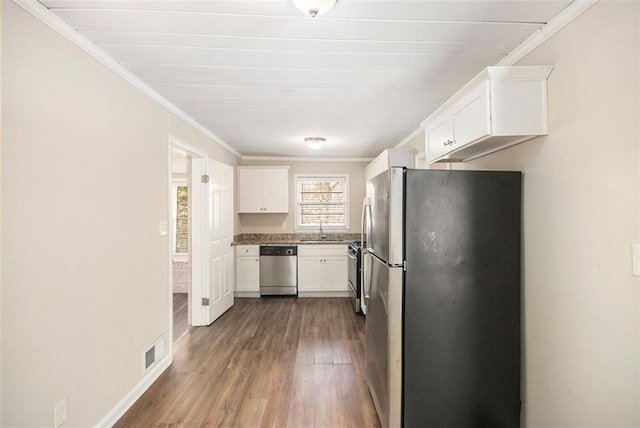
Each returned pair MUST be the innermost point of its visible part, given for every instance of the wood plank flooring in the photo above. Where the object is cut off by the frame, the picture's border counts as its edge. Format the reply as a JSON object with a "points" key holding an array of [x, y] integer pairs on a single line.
{"points": [[270, 362], [180, 315]]}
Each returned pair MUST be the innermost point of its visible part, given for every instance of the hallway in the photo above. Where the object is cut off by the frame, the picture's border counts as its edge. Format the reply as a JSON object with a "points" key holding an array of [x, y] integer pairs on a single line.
{"points": [[266, 362]]}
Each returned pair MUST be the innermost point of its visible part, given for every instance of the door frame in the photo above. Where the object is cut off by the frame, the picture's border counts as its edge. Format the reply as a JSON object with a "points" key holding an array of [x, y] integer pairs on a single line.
{"points": [[176, 143]]}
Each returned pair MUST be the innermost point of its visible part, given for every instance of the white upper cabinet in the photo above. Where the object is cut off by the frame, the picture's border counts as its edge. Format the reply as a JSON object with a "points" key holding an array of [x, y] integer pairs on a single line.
{"points": [[263, 189], [387, 159], [500, 107]]}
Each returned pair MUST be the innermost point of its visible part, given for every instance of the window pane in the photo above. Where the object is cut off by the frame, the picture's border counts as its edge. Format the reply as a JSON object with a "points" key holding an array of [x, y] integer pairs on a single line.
{"points": [[182, 220], [322, 191], [329, 214], [322, 199]]}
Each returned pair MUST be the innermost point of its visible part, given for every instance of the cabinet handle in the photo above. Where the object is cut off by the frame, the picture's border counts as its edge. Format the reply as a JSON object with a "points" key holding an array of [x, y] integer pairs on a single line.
{"points": [[449, 143]]}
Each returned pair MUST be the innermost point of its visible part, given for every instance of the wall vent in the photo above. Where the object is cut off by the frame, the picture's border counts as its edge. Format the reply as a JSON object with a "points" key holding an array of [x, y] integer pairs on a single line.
{"points": [[153, 354], [149, 357]]}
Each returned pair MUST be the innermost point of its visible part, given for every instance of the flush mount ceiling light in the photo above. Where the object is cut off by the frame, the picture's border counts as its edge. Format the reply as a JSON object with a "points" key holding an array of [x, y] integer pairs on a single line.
{"points": [[314, 7], [314, 143]]}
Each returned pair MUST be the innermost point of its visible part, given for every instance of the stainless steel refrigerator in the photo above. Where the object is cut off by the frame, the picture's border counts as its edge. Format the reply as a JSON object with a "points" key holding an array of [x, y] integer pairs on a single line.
{"points": [[443, 298]]}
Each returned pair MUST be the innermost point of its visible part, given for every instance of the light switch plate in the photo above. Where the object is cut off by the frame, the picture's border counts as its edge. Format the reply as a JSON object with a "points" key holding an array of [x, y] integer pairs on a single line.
{"points": [[163, 228], [635, 256], [60, 413]]}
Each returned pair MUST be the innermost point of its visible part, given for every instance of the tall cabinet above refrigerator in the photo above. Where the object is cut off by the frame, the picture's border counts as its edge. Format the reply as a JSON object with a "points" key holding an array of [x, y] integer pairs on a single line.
{"points": [[443, 321]]}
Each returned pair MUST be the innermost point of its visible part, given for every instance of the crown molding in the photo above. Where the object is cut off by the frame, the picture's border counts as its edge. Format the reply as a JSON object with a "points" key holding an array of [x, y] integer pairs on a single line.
{"points": [[304, 159], [558, 22], [52, 20], [561, 20], [409, 138]]}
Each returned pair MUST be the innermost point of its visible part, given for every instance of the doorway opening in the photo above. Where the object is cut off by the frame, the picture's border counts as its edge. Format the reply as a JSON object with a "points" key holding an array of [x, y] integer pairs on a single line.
{"points": [[181, 240]]}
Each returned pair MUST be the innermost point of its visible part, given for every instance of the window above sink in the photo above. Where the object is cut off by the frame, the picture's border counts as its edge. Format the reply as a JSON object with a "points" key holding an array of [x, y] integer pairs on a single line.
{"points": [[322, 199]]}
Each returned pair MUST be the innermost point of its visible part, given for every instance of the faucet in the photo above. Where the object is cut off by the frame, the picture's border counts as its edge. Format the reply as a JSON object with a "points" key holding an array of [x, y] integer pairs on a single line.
{"points": [[322, 234]]}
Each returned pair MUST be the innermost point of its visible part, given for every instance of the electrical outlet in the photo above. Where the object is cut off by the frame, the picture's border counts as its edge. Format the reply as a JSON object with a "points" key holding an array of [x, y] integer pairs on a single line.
{"points": [[60, 413], [284, 226], [635, 259]]}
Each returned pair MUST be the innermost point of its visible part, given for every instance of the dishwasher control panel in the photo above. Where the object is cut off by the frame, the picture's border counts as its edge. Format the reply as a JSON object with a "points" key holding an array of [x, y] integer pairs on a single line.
{"points": [[278, 250]]}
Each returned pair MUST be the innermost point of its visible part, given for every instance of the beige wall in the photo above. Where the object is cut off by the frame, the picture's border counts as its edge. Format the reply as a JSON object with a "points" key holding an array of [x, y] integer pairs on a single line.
{"points": [[272, 223], [85, 279], [0, 212], [581, 193]]}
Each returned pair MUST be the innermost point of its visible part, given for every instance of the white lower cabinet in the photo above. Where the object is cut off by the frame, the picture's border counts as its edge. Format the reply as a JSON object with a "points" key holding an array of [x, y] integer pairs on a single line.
{"points": [[322, 270], [248, 271]]}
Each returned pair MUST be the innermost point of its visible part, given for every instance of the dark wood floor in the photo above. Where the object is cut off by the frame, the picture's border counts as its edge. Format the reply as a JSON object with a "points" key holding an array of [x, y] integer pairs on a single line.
{"points": [[270, 362], [180, 315]]}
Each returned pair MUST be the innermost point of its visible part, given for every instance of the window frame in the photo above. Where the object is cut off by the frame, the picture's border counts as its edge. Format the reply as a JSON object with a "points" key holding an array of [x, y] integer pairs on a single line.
{"points": [[299, 178]]}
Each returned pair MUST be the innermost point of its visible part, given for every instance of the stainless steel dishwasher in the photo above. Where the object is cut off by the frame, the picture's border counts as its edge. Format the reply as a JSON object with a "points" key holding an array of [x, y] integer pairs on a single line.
{"points": [[278, 270]]}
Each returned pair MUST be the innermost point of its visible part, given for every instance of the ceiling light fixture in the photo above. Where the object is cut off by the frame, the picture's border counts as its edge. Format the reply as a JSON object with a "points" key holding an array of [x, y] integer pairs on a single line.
{"points": [[314, 8], [314, 143]]}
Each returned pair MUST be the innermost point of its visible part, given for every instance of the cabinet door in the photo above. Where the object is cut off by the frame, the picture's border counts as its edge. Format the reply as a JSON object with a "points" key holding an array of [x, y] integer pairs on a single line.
{"points": [[335, 273], [276, 190], [248, 274], [440, 139], [250, 190], [472, 121], [310, 273]]}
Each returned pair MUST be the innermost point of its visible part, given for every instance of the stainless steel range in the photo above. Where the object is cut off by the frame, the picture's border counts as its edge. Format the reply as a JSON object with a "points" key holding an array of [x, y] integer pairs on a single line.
{"points": [[355, 266]]}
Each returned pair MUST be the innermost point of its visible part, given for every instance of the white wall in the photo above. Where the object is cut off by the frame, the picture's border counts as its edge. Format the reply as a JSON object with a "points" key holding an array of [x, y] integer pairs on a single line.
{"points": [[272, 223], [581, 214], [84, 187]]}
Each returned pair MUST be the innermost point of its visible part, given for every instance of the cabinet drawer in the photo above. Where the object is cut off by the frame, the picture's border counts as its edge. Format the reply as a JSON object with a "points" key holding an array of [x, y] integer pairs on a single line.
{"points": [[322, 250], [247, 250]]}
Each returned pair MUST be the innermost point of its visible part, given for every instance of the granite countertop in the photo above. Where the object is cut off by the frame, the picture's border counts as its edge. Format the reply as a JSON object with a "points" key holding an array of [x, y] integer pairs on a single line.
{"points": [[294, 238]]}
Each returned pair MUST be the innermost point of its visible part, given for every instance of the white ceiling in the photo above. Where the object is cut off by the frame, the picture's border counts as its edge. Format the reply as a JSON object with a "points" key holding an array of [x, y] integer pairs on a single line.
{"points": [[262, 76]]}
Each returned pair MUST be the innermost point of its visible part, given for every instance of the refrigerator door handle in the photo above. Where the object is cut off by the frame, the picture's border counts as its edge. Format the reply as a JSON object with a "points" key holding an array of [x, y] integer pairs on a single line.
{"points": [[366, 208], [364, 235]]}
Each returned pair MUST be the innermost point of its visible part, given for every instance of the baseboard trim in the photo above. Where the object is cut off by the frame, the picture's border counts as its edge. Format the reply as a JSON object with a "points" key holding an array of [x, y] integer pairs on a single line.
{"points": [[247, 294], [323, 293], [128, 400]]}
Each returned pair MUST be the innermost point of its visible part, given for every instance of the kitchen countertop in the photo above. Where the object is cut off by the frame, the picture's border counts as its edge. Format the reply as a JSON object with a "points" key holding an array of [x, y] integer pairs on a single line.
{"points": [[294, 238]]}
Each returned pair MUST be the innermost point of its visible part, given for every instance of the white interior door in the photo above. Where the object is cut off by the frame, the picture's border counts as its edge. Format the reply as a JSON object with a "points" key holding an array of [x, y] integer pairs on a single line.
{"points": [[213, 260]]}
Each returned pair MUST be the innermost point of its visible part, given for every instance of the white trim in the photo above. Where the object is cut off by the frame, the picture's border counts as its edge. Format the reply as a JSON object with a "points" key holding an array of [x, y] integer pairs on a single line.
{"points": [[564, 18], [52, 20], [247, 294], [323, 294], [561, 20], [132, 396], [199, 277], [409, 138], [180, 258], [170, 246], [287, 167], [303, 159], [181, 145], [193, 152], [340, 228]]}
